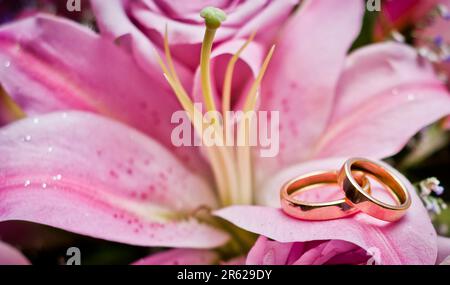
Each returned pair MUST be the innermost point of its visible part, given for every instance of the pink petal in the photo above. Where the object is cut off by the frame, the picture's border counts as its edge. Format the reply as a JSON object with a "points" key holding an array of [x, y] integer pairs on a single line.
{"points": [[183, 32], [398, 243], [324, 252], [50, 64], [93, 176], [11, 256], [443, 244], [385, 96], [115, 24], [267, 21], [148, 19], [267, 252], [180, 257], [303, 74], [185, 37]]}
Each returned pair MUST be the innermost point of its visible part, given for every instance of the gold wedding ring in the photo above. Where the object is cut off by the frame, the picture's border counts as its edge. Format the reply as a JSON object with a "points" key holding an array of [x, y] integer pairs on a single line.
{"points": [[356, 197], [352, 179], [317, 210]]}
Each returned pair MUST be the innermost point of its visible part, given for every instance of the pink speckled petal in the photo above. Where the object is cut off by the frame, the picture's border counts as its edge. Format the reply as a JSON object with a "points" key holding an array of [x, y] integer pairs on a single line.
{"points": [[386, 94], [50, 64], [90, 175], [180, 257]]}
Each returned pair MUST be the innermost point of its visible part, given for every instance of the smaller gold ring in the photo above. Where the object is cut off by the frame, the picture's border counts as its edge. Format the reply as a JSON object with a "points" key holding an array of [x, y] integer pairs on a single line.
{"points": [[317, 211], [358, 198]]}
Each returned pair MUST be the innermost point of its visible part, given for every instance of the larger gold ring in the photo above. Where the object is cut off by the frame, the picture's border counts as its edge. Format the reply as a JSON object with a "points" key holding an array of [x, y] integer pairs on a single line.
{"points": [[320, 210], [358, 198]]}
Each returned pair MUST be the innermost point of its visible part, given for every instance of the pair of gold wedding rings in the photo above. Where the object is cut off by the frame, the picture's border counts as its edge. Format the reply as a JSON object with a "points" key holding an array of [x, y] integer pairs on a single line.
{"points": [[352, 179]]}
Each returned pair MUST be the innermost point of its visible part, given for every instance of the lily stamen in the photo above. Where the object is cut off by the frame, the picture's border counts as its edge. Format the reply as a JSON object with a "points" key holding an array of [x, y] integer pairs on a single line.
{"points": [[243, 154], [195, 117], [231, 166], [169, 58], [226, 90], [252, 95]]}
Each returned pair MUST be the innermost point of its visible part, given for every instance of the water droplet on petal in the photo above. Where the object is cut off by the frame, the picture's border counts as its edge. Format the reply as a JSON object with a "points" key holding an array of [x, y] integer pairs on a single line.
{"points": [[57, 177], [411, 97], [50, 149], [36, 121], [44, 185], [7, 64], [27, 138], [27, 183]]}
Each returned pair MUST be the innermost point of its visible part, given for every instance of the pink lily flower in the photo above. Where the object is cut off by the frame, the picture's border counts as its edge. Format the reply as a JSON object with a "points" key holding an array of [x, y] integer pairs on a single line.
{"points": [[94, 155]]}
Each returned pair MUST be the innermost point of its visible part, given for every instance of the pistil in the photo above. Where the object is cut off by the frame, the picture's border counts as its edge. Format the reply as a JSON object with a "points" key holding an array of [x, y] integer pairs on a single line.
{"points": [[196, 119], [231, 165], [213, 19]]}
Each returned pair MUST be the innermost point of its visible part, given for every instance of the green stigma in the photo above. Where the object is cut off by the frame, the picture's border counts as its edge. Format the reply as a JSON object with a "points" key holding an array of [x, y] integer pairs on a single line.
{"points": [[213, 17]]}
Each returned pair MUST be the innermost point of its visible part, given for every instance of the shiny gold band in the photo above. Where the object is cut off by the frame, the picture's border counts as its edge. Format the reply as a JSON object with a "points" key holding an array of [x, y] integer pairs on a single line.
{"points": [[321, 210], [360, 199]]}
